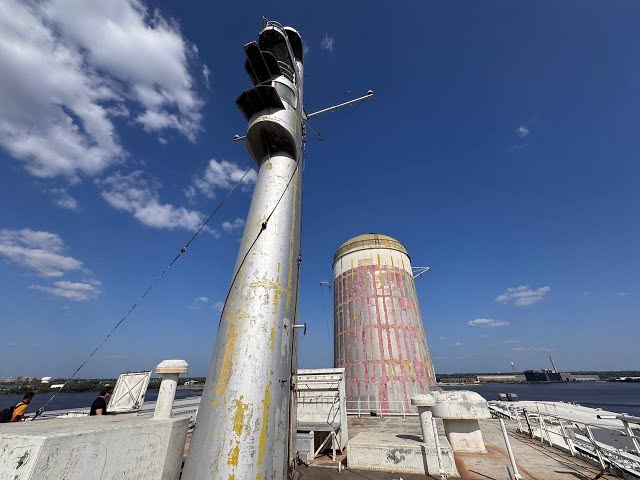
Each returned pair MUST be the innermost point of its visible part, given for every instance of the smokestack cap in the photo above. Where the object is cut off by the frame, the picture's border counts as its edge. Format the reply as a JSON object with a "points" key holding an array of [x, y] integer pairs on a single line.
{"points": [[368, 241]]}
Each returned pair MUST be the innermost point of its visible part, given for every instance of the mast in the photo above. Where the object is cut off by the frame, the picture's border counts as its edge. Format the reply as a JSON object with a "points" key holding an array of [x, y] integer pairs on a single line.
{"points": [[243, 420], [247, 411]]}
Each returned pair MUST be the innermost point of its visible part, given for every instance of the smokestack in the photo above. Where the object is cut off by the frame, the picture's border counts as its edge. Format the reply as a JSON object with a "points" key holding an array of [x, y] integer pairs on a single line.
{"points": [[379, 336]]}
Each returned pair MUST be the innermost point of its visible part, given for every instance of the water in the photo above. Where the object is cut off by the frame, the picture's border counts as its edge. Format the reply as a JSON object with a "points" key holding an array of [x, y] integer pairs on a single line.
{"points": [[613, 396], [79, 400]]}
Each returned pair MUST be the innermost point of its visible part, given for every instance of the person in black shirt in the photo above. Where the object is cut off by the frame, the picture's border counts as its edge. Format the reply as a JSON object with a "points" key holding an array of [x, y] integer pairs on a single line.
{"points": [[99, 405]]}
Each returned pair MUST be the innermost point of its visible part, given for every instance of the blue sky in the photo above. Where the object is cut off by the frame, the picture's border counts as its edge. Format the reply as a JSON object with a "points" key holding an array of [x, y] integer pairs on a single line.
{"points": [[501, 148]]}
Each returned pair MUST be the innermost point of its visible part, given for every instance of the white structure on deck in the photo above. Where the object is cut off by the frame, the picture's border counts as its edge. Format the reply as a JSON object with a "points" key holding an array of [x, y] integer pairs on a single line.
{"points": [[93, 448], [460, 411], [170, 371], [128, 392], [321, 411], [103, 447]]}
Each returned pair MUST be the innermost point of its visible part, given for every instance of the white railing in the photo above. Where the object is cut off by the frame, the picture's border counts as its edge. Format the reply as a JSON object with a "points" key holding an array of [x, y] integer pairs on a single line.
{"points": [[390, 408], [576, 437]]}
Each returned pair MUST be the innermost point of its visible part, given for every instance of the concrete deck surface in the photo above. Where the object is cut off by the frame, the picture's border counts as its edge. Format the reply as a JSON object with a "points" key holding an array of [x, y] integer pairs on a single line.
{"points": [[534, 461]]}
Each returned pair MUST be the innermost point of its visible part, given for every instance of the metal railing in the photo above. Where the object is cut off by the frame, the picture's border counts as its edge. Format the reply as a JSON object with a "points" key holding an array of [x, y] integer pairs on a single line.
{"points": [[577, 437], [390, 408]]}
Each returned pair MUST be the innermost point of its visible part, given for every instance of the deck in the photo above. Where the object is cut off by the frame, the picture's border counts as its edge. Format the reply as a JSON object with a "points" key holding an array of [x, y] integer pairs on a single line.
{"points": [[534, 461]]}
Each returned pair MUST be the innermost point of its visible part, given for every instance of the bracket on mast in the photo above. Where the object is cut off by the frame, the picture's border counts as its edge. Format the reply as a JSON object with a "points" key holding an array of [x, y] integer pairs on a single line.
{"points": [[305, 117], [340, 105], [419, 271]]}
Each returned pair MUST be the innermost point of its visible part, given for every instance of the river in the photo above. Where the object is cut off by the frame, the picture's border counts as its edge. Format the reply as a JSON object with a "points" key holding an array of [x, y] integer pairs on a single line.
{"points": [[614, 396], [620, 397]]}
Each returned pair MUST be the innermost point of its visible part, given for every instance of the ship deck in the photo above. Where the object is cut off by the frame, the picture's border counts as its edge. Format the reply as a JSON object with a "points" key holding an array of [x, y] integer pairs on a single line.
{"points": [[534, 461]]}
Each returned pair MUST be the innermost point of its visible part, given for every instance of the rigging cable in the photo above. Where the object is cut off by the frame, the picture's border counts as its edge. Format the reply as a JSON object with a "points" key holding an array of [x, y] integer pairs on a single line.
{"points": [[153, 284], [263, 227]]}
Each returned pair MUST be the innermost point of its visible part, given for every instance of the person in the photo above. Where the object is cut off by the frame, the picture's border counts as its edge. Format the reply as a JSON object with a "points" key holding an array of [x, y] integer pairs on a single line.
{"points": [[99, 405], [21, 407]]}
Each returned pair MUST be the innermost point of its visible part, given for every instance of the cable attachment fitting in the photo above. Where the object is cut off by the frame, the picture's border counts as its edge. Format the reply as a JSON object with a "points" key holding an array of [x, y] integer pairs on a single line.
{"points": [[183, 249], [264, 225]]}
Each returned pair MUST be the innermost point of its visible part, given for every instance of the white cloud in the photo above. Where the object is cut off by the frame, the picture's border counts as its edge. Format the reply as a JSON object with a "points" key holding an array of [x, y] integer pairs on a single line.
{"points": [[223, 175], [136, 195], [64, 199], [517, 349], [69, 67], [522, 131], [205, 75], [623, 294], [487, 323], [512, 341], [76, 291], [305, 49], [457, 344], [218, 306], [116, 356], [37, 250], [523, 296], [327, 42], [198, 302], [230, 227]]}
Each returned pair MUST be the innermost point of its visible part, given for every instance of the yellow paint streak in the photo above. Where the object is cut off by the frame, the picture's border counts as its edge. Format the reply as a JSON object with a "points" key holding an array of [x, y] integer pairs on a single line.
{"points": [[238, 418], [292, 235], [272, 338], [262, 444], [213, 404], [234, 455], [227, 359], [392, 264], [379, 259], [276, 287]]}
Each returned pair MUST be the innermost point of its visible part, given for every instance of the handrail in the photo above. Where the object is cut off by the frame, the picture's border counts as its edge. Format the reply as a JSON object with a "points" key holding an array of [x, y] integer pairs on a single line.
{"points": [[581, 443]]}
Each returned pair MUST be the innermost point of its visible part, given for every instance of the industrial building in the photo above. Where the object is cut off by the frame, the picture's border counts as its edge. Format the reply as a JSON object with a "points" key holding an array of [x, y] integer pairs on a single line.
{"points": [[512, 378], [379, 335], [544, 375]]}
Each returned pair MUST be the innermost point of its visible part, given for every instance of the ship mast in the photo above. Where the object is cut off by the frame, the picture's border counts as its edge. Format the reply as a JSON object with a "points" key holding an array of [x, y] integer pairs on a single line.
{"points": [[244, 419]]}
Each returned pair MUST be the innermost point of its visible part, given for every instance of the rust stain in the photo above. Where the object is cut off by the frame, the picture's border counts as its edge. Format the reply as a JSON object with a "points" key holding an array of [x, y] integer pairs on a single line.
{"points": [[266, 403], [238, 418], [227, 358]]}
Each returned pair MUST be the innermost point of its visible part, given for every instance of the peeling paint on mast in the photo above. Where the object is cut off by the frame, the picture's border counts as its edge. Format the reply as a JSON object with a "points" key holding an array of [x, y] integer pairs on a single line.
{"points": [[243, 422]]}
